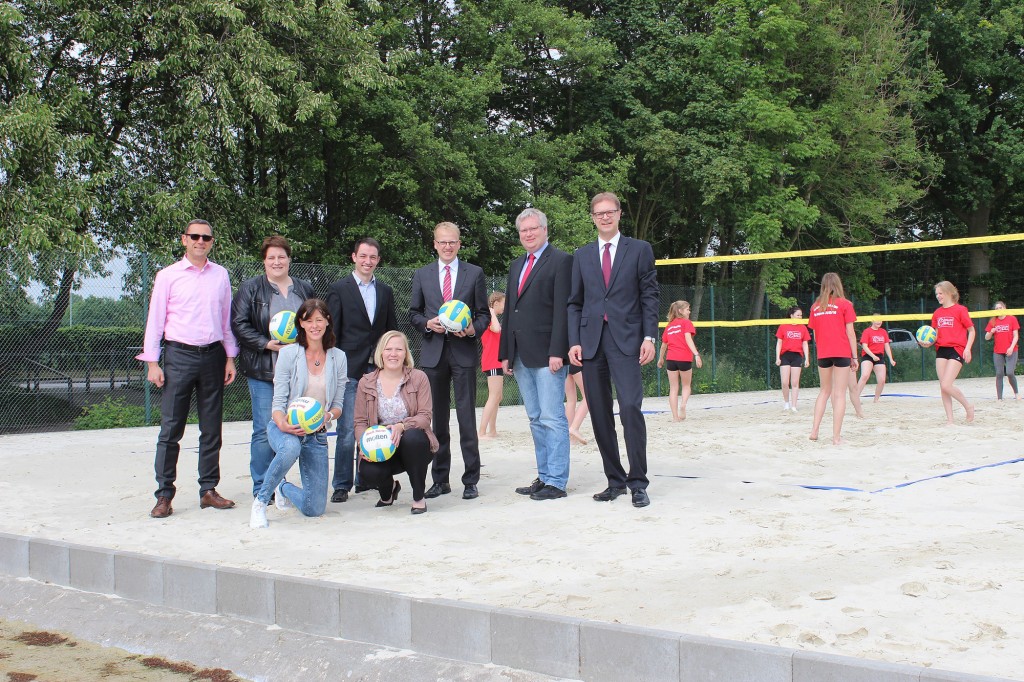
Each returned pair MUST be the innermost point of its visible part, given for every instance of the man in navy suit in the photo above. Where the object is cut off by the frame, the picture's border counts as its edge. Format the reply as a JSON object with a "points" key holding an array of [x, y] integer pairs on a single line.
{"points": [[449, 359], [362, 309], [613, 319], [534, 347]]}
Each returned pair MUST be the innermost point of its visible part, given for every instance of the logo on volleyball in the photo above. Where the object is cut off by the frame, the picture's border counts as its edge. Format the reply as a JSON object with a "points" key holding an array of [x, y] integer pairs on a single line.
{"points": [[376, 444], [454, 315], [307, 413], [926, 334], [282, 327]]}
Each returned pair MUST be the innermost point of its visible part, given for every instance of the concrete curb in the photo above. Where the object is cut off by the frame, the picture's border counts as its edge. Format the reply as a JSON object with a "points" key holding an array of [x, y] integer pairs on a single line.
{"points": [[568, 648]]}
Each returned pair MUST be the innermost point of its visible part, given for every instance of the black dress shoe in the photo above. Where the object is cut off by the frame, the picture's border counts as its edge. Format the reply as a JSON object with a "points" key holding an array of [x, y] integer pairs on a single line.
{"points": [[418, 510], [530, 489], [640, 498], [609, 494], [470, 493], [437, 490], [339, 496], [548, 492]]}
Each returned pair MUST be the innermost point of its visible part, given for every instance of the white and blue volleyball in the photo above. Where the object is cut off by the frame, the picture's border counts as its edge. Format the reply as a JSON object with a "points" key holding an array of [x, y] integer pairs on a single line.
{"points": [[454, 315], [282, 327], [307, 413], [376, 444]]}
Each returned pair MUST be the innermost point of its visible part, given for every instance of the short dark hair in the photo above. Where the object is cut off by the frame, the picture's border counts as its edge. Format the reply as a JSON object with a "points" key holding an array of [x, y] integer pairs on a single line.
{"points": [[197, 221], [278, 241], [795, 309], [369, 241], [305, 311]]}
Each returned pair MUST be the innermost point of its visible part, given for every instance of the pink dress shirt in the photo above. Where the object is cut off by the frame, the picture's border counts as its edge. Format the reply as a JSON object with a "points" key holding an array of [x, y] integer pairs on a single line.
{"points": [[189, 305]]}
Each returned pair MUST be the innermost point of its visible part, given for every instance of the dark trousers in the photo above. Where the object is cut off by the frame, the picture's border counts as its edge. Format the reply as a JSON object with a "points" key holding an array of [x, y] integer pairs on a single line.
{"points": [[443, 377], [185, 372], [610, 366], [411, 456]]}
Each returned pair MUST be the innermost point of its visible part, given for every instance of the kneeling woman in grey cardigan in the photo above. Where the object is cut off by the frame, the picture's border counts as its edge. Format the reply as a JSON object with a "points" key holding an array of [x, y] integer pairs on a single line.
{"points": [[311, 367]]}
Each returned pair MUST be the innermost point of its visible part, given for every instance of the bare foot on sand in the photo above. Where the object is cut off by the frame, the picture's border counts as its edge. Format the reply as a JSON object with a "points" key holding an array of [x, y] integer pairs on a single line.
{"points": [[970, 413], [576, 437]]}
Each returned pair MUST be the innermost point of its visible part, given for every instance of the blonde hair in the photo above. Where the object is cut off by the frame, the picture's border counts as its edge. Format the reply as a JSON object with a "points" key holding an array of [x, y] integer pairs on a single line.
{"points": [[676, 309], [950, 290], [378, 355], [605, 196], [831, 288], [495, 297], [447, 226]]}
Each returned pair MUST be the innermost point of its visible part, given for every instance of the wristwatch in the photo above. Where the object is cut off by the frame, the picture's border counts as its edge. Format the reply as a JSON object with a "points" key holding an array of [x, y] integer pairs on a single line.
{"points": [[649, 338]]}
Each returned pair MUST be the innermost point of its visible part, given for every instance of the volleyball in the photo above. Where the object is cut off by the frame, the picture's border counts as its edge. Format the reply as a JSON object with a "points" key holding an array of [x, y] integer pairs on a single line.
{"points": [[282, 327], [454, 315], [926, 334], [376, 444], [307, 413]]}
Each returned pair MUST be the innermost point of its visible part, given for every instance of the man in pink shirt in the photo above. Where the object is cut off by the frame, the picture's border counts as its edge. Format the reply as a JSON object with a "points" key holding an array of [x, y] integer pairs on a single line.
{"points": [[190, 311]]}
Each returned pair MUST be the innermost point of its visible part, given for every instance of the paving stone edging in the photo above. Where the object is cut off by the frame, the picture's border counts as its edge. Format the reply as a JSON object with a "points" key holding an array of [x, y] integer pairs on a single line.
{"points": [[560, 646]]}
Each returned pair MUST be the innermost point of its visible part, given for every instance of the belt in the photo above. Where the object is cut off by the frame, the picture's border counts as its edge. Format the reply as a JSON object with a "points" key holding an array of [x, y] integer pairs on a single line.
{"points": [[194, 349]]}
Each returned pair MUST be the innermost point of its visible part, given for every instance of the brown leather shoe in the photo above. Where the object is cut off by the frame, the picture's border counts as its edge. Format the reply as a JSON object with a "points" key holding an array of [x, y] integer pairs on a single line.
{"points": [[211, 498], [162, 509]]}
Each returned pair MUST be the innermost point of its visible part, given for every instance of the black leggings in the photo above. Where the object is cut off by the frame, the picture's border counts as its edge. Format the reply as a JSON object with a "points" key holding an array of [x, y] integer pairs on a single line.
{"points": [[412, 456]]}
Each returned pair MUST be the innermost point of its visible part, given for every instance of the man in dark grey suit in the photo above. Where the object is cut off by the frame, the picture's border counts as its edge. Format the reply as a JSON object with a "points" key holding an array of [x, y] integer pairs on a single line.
{"points": [[362, 309], [449, 359], [613, 319], [534, 347]]}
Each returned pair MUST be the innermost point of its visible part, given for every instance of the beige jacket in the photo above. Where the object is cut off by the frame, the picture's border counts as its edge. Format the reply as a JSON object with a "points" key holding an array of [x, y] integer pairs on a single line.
{"points": [[416, 394]]}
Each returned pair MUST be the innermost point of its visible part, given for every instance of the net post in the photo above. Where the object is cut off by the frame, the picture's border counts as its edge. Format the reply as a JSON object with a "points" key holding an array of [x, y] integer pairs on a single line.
{"points": [[145, 317]]}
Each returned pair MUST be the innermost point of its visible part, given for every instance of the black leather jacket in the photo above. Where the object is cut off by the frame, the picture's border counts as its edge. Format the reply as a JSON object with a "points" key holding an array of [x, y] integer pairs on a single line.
{"points": [[250, 322]]}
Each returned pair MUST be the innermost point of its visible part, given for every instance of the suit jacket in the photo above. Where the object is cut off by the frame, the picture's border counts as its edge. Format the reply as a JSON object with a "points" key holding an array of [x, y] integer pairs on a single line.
{"points": [[352, 328], [536, 323], [630, 300], [427, 299]]}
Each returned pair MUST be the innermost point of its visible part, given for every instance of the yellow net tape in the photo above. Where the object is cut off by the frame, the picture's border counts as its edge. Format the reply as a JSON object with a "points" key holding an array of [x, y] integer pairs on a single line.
{"points": [[925, 317]]}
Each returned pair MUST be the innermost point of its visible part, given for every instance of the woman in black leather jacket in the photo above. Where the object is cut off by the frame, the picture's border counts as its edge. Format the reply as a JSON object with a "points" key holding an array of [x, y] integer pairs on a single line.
{"points": [[257, 300]]}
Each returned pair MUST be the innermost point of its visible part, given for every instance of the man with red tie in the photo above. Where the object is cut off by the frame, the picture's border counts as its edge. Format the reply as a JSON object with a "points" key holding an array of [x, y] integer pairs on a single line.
{"points": [[534, 348], [190, 313], [449, 358]]}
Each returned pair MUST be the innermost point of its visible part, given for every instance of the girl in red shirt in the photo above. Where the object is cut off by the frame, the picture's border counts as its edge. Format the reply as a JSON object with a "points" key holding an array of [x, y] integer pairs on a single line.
{"points": [[790, 352], [831, 320], [1006, 331], [677, 343], [952, 347], [873, 341], [491, 366]]}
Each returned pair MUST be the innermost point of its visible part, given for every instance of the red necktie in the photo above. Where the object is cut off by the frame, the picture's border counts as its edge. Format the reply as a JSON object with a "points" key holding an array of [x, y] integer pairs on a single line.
{"points": [[606, 264], [526, 273], [446, 290]]}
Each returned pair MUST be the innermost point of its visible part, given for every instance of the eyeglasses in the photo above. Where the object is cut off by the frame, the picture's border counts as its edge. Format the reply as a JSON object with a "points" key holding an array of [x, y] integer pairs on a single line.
{"points": [[196, 237], [447, 244], [601, 215]]}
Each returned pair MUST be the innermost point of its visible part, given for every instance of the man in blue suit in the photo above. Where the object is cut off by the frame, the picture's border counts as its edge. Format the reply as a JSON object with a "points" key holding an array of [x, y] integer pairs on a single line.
{"points": [[613, 320]]}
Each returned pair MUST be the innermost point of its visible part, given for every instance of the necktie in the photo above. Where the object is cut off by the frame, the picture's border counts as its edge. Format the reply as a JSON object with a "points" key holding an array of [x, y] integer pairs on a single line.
{"points": [[526, 273], [606, 263], [446, 290]]}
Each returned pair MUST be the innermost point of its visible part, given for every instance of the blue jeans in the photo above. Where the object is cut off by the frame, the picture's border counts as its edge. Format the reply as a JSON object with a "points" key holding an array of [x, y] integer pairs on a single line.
{"points": [[543, 396], [345, 448], [311, 451], [260, 453]]}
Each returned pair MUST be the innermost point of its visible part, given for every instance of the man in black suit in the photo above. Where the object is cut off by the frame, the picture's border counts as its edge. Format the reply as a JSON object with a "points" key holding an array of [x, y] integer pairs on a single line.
{"points": [[534, 347], [613, 318], [362, 309], [449, 359]]}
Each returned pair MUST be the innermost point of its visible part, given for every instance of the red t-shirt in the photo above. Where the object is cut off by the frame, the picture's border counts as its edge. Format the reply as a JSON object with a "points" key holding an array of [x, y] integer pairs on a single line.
{"points": [[793, 337], [674, 337], [1002, 332], [952, 324], [875, 339], [489, 356], [829, 325]]}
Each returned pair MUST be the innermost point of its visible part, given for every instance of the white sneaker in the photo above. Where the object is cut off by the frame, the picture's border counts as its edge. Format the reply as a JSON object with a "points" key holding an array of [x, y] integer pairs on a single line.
{"points": [[785, 407], [793, 408], [280, 501], [258, 515]]}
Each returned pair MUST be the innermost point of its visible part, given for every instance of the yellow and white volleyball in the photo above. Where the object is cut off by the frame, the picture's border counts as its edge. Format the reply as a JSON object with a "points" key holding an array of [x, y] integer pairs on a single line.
{"points": [[926, 334], [282, 327], [454, 315], [307, 413], [376, 444]]}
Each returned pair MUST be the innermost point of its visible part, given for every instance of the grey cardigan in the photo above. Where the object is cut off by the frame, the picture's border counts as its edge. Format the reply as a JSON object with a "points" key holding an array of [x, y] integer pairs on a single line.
{"points": [[291, 376]]}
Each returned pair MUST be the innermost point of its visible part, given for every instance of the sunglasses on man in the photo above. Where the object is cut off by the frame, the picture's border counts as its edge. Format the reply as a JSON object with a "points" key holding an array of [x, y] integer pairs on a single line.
{"points": [[196, 237]]}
